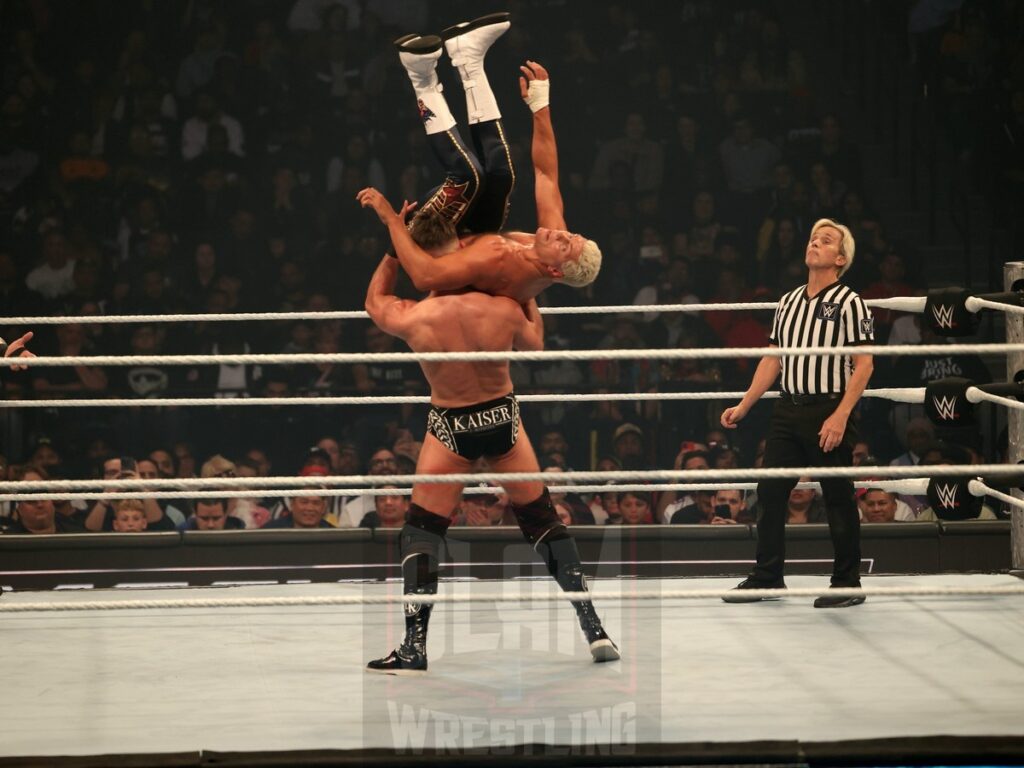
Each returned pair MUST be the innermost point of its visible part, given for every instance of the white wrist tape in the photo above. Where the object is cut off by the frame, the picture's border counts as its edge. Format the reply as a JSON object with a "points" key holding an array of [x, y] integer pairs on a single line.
{"points": [[538, 94]]}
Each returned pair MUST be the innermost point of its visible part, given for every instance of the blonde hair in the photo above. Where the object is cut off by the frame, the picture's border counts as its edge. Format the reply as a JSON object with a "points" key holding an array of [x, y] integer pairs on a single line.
{"points": [[847, 247], [583, 271], [129, 505]]}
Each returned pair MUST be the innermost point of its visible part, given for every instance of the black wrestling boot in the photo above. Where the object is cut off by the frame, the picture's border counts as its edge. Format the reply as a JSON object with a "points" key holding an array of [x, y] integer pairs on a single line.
{"points": [[601, 646], [410, 658]]}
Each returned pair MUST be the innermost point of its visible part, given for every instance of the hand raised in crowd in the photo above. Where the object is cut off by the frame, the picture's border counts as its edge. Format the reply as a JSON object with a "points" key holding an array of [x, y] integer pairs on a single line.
{"points": [[17, 348]]}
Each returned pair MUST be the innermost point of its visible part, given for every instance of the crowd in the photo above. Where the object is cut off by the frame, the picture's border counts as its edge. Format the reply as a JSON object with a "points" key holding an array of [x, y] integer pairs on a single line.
{"points": [[203, 156]]}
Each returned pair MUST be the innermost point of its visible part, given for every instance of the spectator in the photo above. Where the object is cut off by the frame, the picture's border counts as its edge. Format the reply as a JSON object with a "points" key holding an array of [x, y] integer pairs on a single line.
{"points": [[129, 516], [628, 446], [306, 511], [880, 506], [211, 515], [676, 509], [634, 508], [632, 158], [730, 507], [54, 277], [389, 511], [148, 470], [804, 506], [40, 517]]}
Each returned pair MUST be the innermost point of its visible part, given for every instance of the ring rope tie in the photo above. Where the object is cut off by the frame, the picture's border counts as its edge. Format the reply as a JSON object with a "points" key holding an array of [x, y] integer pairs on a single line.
{"points": [[499, 597], [898, 303], [652, 475], [710, 353]]}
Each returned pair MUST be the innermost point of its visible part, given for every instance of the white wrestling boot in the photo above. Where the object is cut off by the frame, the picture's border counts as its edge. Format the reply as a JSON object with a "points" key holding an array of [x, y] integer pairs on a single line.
{"points": [[467, 44], [419, 55]]}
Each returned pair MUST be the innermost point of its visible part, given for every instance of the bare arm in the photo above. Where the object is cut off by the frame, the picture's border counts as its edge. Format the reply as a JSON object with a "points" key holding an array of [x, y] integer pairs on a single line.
{"points": [[544, 152], [429, 273], [390, 313], [765, 375], [530, 335]]}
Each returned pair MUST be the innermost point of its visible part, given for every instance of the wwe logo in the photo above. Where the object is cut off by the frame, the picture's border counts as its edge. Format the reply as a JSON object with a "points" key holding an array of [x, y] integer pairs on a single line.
{"points": [[943, 315], [947, 495], [946, 407], [828, 310]]}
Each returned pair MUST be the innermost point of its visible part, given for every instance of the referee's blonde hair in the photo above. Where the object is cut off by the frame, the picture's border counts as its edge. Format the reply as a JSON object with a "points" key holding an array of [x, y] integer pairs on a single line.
{"points": [[847, 247]]}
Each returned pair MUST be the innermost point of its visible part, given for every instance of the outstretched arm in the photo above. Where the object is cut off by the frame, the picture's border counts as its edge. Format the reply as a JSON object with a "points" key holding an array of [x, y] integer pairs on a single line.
{"points": [[390, 313], [428, 273], [534, 87]]}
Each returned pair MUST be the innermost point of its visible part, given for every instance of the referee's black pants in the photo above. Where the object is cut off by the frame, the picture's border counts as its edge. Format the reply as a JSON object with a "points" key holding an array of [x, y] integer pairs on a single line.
{"points": [[793, 441]]}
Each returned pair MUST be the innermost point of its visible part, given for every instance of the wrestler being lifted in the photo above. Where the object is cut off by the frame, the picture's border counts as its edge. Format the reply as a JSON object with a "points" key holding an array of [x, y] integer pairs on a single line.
{"points": [[473, 414], [453, 239]]}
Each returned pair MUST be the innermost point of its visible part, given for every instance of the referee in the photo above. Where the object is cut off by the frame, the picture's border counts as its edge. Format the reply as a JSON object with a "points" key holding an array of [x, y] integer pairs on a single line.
{"points": [[810, 425]]}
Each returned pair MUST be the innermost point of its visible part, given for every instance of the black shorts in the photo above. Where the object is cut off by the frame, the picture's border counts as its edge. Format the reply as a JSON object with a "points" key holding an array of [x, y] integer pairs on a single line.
{"points": [[485, 429]]}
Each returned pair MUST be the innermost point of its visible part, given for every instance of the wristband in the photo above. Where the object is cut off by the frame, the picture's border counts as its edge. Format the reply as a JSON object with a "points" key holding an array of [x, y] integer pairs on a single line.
{"points": [[538, 95]]}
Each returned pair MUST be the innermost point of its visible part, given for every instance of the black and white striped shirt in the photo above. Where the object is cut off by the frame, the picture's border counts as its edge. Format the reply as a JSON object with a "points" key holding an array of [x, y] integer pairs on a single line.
{"points": [[836, 317]]}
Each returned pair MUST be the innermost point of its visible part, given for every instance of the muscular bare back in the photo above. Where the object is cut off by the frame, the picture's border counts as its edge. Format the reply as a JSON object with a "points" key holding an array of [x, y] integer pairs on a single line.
{"points": [[465, 322]]}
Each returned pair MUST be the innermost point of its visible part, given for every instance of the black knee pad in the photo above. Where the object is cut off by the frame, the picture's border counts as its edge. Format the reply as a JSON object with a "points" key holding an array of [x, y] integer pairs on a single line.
{"points": [[538, 519], [421, 540]]}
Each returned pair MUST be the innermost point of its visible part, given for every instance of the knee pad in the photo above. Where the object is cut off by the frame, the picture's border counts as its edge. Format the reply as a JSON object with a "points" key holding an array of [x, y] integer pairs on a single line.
{"points": [[538, 519], [421, 541]]}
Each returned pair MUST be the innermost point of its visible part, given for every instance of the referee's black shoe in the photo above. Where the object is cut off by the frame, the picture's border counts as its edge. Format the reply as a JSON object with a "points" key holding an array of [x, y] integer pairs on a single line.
{"points": [[825, 601], [752, 583]]}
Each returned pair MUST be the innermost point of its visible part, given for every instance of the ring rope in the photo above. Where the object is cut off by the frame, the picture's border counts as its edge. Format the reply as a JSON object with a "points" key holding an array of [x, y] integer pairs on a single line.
{"points": [[910, 487], [898, 394], [975, 303], [898, 350], [727, 475], [519, 597], [978, 488], [898, 303]]}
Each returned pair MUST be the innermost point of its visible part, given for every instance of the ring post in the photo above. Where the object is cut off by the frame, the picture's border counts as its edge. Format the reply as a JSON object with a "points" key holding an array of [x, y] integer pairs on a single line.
{"points": [[1012, 272]]}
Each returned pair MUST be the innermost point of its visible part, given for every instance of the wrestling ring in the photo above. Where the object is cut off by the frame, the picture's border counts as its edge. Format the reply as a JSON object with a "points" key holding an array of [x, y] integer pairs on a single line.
{"points": [[928, 671]]}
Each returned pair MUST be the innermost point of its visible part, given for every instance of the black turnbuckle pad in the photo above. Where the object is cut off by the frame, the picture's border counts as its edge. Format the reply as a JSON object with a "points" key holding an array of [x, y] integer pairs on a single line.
{"points": [[951, 499], [946, 313], [945, 402]]}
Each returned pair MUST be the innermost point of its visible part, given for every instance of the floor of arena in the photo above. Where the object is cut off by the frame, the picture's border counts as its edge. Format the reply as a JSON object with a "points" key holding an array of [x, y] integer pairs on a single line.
{"points": [[513, 678]]}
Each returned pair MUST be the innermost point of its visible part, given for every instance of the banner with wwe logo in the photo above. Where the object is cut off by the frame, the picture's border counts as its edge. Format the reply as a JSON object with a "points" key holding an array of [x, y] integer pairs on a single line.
{"points": [[945, 402]]}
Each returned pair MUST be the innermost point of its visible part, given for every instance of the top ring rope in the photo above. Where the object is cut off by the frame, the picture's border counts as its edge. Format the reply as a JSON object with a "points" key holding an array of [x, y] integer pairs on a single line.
{"points": [[898, 303], [709, 353]]}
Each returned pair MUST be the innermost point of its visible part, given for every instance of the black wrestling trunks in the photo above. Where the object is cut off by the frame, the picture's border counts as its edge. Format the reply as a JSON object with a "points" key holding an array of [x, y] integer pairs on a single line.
{"points": [[484, 429]]}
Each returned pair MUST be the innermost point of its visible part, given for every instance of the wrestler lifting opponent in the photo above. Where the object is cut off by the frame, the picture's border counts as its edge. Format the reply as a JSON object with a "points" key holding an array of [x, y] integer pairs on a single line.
{"points": [[473, 414], [474, 196]]}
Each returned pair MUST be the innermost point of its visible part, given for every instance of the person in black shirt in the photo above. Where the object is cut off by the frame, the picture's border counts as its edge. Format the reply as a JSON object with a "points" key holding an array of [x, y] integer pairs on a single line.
{"points": [[810, 424]]}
